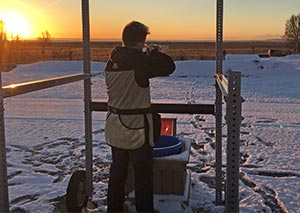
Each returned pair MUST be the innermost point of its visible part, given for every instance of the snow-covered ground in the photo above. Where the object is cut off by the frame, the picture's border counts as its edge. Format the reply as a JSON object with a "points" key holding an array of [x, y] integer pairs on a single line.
{"points": [[45, 134]]}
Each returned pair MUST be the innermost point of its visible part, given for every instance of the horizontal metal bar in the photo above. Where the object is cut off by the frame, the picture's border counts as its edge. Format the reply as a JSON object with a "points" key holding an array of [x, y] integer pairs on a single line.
{"points": [[22, 88], [168, 108], [97, 73], [222, 82], [184, 108]]}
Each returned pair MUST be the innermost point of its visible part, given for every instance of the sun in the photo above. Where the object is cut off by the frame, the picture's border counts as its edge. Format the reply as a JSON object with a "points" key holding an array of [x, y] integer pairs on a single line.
{"points": [[15, 25]]}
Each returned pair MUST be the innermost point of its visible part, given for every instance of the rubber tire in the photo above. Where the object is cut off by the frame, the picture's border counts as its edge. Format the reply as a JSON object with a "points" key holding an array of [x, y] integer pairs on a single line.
{"points": [[76, 185]]}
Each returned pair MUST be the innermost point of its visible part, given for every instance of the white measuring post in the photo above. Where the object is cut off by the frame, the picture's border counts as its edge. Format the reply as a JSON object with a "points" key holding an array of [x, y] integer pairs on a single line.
{"points": [[87, 97]]}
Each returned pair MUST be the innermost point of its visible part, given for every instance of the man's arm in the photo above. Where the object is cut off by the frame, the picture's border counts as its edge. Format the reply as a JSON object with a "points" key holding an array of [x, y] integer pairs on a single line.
{"points": [[152, 65], [158, 64]]}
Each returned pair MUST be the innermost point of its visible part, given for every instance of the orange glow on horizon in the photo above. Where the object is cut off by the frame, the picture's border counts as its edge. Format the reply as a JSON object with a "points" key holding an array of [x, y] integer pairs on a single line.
{"points": [[15, 25], [176, 21], [22, 20]]}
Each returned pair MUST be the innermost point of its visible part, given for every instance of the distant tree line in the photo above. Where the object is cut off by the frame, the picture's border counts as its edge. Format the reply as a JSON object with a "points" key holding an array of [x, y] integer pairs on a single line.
{"points": [[4, 36], [3, 41], [45, 38], [2, 32], [9, 45], [292, 32]]}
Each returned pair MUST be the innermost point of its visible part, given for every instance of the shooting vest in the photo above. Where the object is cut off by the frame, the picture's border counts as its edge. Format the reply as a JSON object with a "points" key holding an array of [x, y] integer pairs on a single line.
{"points": [[129, 120]]}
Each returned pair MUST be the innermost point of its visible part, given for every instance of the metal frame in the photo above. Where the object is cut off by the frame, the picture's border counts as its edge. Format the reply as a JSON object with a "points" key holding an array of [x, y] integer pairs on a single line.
{"points": [[22, 88], [230, 88], [167, 108], [4, 204], [232, 93], [218, 113], [233, 121], [87, 98]]}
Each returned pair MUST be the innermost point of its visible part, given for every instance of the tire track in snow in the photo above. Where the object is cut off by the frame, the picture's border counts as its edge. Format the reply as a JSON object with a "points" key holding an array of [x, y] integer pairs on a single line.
{"points": [[269, 194]]}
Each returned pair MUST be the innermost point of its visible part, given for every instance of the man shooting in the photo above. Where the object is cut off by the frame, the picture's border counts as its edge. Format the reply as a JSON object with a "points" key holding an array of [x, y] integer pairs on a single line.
{"points": [[129, 123]]}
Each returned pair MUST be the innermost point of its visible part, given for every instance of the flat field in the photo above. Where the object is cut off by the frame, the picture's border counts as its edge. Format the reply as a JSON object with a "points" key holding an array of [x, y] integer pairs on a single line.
{"points": [[23, 52], [45, 135]]}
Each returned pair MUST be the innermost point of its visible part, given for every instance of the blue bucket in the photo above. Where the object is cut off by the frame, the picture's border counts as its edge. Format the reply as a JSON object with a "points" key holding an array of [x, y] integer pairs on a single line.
{"points": [[167, 145]]}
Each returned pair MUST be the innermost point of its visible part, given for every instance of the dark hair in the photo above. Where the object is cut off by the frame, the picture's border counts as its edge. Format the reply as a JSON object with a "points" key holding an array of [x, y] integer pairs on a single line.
{"points": [[134, 32]]}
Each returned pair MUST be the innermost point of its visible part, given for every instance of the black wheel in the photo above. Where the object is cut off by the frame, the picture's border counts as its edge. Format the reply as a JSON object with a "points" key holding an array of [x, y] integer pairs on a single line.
{"points": [[76, 198]]}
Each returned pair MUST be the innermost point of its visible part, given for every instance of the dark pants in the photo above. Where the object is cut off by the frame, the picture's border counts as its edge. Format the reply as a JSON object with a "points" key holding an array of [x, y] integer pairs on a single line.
{"points": [[142, 162]]}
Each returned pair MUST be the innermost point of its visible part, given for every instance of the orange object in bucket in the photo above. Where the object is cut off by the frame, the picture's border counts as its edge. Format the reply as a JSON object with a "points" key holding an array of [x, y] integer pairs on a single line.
{"points": [[168, 126]]}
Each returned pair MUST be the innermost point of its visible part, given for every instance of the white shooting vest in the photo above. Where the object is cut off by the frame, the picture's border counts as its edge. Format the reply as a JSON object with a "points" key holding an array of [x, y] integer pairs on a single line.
{"points": [[127, 131]]}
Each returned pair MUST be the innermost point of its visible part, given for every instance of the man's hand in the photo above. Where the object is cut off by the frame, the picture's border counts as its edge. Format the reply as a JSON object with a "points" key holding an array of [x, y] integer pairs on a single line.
{"points": [[154, 47]]}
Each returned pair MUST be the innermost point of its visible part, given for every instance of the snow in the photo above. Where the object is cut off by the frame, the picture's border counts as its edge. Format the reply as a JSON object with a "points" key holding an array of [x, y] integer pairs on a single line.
{"points": [[242, 57], [45, 134]]}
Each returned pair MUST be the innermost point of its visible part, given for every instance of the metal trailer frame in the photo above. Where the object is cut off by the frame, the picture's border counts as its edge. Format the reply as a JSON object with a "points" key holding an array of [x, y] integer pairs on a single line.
{"points": [[4, 204], [218, 101], [231, 89], [233, 121], [87, 97]]}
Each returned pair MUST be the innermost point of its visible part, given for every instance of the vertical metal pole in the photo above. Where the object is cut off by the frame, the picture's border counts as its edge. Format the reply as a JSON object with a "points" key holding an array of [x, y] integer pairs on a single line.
{"points": [[87, 97], [218, 113], [233, 118], [4, 201]]}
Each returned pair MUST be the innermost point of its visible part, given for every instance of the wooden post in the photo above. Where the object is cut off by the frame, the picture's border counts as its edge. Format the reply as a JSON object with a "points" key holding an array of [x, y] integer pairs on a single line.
{"points": [[70, 55]]}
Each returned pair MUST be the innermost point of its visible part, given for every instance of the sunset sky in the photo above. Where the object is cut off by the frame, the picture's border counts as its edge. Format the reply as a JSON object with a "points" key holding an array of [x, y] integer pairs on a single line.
{"points": [[167, 19]]}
